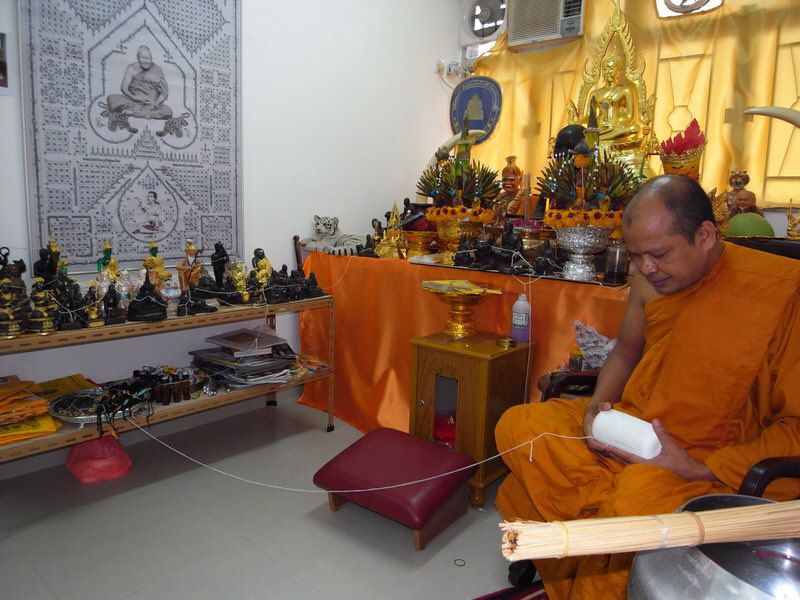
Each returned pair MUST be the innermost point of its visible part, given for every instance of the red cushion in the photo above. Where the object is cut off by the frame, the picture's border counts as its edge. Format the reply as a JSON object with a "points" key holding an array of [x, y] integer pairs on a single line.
{"points": [[386, 457]]}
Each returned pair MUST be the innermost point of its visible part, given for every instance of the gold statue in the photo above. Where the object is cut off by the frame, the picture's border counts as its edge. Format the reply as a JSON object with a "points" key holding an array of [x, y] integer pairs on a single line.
{"points": [[154, 263], [239, 277], [793, 226], [190, 268], [262, 268], [624, 111]]}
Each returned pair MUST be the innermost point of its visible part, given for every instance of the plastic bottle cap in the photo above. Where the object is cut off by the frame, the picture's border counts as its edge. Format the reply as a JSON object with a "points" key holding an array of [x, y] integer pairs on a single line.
{"points": [[523, 297]]}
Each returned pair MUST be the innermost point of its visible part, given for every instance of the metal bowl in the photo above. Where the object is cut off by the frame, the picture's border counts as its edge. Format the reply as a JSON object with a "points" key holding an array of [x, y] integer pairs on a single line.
{"points": [[75, 407], [746, 570]]}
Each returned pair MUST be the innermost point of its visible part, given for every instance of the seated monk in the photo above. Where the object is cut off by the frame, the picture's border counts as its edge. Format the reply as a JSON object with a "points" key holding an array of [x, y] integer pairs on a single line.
{"points": [[708, 351]]}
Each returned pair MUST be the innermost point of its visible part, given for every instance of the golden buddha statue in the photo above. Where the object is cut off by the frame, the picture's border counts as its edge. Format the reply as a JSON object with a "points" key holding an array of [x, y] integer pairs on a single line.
{"points": [[156, 270], [614, 86], [239, 278]]}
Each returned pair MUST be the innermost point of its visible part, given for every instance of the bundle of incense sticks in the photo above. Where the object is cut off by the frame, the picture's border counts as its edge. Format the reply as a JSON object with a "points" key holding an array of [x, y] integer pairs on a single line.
{"points": [[528, 540]]}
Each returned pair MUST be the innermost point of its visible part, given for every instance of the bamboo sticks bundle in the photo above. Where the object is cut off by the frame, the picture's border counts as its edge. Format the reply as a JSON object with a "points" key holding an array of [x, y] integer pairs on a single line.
{"points": [[529, 540]]}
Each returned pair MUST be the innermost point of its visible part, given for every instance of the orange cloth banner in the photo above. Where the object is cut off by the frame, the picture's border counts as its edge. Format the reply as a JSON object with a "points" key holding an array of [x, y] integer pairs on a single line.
{"points": [[381, 306]]}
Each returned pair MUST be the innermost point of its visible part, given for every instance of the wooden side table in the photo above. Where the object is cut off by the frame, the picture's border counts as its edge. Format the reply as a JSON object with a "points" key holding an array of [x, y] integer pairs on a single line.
{"points": [[473, 380]]}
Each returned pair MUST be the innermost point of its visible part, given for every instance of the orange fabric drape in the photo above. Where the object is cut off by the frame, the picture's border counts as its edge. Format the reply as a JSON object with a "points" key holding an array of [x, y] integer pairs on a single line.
{"points": [[380, 307], [708, 66]]}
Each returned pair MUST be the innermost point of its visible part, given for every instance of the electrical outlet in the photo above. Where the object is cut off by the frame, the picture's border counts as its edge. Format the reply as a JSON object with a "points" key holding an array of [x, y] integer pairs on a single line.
{"points": [[440, 67], [453, 68]]}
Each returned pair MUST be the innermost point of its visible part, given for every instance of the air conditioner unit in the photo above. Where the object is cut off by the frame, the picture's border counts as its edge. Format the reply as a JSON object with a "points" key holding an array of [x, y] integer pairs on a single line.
{"points": [[481, 22], [536, 24]]}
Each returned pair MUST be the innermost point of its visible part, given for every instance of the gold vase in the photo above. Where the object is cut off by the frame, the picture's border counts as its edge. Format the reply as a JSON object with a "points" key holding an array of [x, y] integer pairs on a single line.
{"points": [[449, 235], [459, 319], [419, 242]]}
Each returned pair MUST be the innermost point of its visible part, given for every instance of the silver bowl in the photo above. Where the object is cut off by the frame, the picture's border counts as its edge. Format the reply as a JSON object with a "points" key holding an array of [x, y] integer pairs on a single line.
{"points": [[581, 243], [755, 570]]}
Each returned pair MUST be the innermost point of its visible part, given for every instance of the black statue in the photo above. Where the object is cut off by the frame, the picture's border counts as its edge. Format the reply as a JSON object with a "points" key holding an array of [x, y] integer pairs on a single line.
{"points": [[47, 266], [71, 314], [545, 263], [148, 304], [190, 303], [313, 289], [368, 249], [219, 260], [465, 255], [114, 313]]}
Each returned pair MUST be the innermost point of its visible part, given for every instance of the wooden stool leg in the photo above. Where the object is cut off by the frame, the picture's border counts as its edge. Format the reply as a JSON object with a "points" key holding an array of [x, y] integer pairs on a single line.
{"points": [[454, 507], [335, 502]]}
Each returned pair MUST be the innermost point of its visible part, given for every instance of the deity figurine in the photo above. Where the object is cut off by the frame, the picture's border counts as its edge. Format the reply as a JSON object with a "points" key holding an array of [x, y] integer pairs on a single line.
{"points": [[511, 200], [190, 304], [190, 268], [71, 312], [108, 262], [262, 269], [93, 303], [46, 267], [148, 305], [219, 260], [41, 319], [154, 263], [239, 278], [114, 312], [12, 313], [793, 223]]}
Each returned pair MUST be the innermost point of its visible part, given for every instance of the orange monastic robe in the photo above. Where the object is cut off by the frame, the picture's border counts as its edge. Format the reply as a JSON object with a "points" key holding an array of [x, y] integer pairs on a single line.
{"points": [[720, 369]]}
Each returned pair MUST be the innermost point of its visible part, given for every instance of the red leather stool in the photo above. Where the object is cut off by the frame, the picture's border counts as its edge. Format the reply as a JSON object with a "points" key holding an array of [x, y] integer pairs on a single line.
{"points": [[385, 457]]}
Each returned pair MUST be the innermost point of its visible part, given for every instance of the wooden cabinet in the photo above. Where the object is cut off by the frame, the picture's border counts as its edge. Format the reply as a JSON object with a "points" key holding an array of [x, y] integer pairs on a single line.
{"points": [[71, 434], [473, 380]]}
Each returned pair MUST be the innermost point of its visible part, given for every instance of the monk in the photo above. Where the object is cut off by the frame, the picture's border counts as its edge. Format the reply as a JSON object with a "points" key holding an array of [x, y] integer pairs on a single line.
{"points": [[708, 351]]}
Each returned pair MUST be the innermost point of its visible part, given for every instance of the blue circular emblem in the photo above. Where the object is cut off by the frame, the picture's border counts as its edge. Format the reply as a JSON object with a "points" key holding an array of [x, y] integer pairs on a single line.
{"points": [[479, 98]]}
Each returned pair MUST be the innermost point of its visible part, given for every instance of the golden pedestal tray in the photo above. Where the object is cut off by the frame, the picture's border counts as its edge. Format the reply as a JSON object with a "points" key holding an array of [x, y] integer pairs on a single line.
{"points": [[461, 297]]}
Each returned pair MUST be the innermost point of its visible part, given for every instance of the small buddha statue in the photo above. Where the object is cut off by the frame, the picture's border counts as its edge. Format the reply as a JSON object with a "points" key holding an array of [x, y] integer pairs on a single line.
{"points": [[156, 270], [190, 268], [262, 268], [114, 312], [239, 279], [41, 319], [93, 303], [219, 260], [108, 262], [148, 305]]}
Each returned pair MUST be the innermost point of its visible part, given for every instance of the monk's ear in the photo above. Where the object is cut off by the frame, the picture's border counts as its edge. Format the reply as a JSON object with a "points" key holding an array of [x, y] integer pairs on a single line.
{"points": [[706, 235]]}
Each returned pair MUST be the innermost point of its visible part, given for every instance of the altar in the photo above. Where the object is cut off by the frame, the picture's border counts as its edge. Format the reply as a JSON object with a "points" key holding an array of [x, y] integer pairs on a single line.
{"points": [[381, 306]]}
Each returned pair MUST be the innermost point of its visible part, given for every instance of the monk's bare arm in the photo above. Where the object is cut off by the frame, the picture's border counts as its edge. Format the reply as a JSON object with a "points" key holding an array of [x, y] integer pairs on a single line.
{"points": [[623, 358]]}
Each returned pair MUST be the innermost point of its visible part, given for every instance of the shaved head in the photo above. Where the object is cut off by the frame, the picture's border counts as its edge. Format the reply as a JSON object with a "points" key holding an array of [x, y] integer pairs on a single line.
{"points": [[685, 201]]}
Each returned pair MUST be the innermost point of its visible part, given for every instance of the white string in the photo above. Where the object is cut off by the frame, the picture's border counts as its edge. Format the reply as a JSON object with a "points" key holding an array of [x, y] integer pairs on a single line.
{"points": [[350, 491], [338, 281]]}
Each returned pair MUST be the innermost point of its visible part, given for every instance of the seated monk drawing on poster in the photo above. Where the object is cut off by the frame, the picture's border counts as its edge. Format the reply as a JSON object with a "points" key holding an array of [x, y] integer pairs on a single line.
{"points": [[144, 90], [708, 351]]}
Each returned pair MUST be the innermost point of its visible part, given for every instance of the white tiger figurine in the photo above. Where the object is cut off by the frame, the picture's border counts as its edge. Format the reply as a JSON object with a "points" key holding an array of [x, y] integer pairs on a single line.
{"points": [[330, 240]]}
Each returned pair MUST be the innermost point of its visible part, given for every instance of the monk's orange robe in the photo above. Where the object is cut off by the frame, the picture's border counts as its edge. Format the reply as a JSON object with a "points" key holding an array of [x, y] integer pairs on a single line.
{"points": [[720, 369]]}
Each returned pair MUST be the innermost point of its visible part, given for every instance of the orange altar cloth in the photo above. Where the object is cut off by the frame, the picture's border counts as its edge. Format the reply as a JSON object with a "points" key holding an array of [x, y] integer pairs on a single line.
{"points": [[380, 307]]}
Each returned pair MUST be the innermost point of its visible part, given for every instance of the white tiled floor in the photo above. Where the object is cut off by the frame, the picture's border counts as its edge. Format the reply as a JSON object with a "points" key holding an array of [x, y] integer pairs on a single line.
{"points": [[171, 530]]}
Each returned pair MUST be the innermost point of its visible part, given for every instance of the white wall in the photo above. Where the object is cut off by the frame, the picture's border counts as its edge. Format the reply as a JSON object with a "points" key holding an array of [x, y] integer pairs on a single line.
{"points": [[342, 109]]}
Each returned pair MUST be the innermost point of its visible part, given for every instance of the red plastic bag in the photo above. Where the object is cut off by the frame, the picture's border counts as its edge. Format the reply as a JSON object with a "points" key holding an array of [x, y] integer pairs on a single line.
{"points": [[100, 459]]}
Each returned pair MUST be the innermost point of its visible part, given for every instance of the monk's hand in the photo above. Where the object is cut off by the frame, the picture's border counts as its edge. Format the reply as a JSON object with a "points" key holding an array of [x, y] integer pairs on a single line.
{"points": [[672, 457], [592, 410]]}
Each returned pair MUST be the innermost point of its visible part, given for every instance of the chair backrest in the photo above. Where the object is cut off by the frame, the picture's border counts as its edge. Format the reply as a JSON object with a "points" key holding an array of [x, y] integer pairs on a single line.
{"points": [[781, 246]]}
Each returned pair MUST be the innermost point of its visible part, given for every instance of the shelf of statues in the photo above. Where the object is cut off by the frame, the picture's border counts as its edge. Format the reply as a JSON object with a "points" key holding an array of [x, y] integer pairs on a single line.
{"points": [[57, 314], [71, 434]]}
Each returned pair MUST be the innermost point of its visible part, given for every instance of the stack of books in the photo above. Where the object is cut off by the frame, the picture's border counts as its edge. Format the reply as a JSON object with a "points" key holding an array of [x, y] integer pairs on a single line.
{"points": [[247, 357]]}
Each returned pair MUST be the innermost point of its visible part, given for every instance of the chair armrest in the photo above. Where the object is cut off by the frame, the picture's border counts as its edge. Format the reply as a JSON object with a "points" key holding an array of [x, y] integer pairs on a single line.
{"points": [[768, 470], [575, 382]]}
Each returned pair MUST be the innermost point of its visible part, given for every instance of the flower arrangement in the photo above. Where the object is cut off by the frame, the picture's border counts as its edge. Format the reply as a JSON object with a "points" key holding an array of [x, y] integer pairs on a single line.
{"points": [[453, 213], [463, 192], [681, 154], [586, 188]]}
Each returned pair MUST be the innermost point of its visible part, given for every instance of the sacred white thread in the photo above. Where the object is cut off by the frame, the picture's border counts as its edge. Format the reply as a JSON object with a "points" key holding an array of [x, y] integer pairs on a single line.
{"points": [[372, 489]]}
